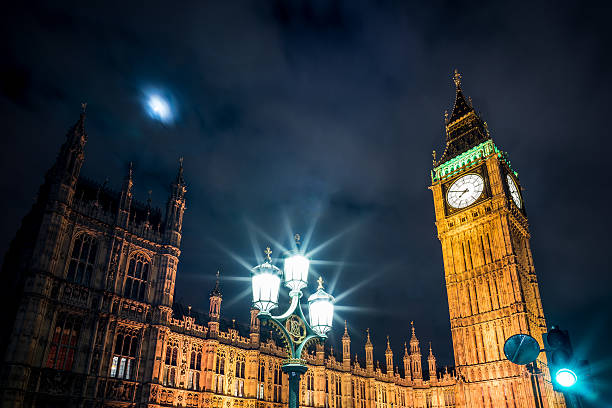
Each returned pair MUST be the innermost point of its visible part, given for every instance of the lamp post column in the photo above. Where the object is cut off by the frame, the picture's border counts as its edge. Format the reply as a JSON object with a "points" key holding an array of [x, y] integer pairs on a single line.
{"points": [[294, 372]]}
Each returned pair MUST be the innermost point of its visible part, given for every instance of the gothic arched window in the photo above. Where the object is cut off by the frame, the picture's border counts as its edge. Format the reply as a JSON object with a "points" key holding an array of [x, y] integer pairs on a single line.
{"points": [[170, 366], [63, 343], [137, 278], [124, 357], [82, 259]]}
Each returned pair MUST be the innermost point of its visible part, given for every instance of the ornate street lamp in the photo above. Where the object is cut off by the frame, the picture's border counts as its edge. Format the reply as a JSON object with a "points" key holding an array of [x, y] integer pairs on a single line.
{"points": [[292, 326]]}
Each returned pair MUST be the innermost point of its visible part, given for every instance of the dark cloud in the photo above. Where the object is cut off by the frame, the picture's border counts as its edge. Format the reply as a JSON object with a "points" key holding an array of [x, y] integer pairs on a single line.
{"points": [[327, 111]]}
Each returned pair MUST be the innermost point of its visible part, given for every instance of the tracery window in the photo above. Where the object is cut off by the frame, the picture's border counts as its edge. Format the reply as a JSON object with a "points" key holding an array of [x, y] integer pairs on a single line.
{"points": [[220, 371], [137, 278], [362, 392], [278, 383], [261, 380], [124, 356], [239, 383], [63, 343], [309, 395], [338, 386], [82, 259], [170, 366], [195, 365]]}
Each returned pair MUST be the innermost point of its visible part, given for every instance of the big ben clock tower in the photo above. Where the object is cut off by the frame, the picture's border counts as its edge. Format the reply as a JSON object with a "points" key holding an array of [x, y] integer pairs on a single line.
{"points": [[490, 278]]}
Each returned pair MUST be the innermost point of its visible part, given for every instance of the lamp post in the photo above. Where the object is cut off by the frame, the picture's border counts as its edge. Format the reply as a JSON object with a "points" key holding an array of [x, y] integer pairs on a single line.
{"points": [[292, 326]]}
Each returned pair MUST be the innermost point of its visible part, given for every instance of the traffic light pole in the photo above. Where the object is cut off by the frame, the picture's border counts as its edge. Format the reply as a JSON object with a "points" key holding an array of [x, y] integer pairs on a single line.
{"points": [[535, 384]]}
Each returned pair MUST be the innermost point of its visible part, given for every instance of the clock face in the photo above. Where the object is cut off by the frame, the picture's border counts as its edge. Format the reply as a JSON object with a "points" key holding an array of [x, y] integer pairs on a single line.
{"points": [[514, 193], [465, 191]]}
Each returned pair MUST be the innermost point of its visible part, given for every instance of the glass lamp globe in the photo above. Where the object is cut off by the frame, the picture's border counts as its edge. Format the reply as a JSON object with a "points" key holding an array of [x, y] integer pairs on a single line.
{"points": [[265, 280], [321, 310], [296, 271]]}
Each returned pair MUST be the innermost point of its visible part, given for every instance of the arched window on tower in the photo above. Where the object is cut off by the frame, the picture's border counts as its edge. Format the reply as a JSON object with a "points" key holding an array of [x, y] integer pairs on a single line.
{"points": [[82, 259], [63, 344], [124, 355], [170, 366], [137, 278]]}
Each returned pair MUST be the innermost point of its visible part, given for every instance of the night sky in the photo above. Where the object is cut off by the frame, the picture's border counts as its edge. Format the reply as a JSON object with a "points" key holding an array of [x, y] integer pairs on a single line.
{"points": [[322, 115]]}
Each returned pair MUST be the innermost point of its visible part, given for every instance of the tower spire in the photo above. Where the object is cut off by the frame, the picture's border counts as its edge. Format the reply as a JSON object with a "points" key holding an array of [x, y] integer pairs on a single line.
{"points": [[464, 128]]}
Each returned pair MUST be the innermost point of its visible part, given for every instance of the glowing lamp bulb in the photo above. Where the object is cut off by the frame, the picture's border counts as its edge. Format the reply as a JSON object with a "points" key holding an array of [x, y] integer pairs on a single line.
{"points": [[566, 377], [296, 271]]}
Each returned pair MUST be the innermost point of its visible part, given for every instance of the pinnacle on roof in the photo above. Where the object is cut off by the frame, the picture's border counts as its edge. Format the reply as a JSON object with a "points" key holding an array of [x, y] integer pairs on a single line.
{"points": [[216, 291], [368, 341], [405, 349], [179, 177], [462, 106], [413, 338], [388, 344], [345, 335]]}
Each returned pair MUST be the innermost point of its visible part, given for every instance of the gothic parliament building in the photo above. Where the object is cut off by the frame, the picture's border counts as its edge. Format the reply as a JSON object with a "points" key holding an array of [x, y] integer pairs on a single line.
{"points": [[89, 317]]}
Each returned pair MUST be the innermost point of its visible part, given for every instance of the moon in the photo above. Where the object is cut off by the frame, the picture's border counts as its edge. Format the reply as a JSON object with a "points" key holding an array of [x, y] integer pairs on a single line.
{"points": [[159, 106]]}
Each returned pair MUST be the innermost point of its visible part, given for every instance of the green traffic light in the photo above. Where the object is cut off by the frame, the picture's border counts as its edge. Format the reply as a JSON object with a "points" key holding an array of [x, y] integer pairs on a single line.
{"points": [[566, 377]]}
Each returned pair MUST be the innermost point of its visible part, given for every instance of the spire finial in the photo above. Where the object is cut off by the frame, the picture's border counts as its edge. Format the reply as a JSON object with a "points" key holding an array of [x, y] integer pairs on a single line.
{"points": [[430, 352], [83, 107], [297, 238], [457, 78], [189, 310], [345, 327], [268, 252], [320, 282], [368, 334], [433, 155], [405, 348], [179, 178], [388, 342]]}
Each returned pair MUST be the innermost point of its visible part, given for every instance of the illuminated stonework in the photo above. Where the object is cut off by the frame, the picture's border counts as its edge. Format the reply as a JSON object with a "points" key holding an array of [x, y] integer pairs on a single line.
{"points": [[95, 322], [490, 278]]}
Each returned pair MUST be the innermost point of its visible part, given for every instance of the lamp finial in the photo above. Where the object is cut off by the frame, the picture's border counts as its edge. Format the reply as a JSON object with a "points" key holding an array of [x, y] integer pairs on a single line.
{"points": [[320, 281], [297, 238], [268, 252]]}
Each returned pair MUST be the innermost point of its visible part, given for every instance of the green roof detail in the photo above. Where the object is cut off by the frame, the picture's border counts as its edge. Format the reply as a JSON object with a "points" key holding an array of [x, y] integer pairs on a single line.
{"points": [[468, 158]]}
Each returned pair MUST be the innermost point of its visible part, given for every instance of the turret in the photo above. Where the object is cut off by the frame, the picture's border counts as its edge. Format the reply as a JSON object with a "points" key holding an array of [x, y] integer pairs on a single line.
{"points": [[176, 208], [407, 373], [254, 327], [389, 358], [215, 308], [63, 176], [346, 348], [431, 362], [415, 356], [369, 351]]}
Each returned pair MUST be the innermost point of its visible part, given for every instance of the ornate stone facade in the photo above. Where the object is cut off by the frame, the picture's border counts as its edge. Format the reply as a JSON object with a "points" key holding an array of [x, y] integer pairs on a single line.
{"points": [[93, 322], [490, 278]]}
